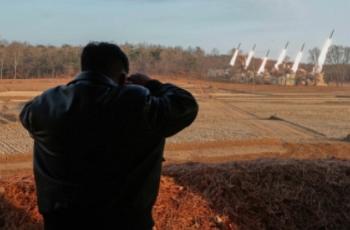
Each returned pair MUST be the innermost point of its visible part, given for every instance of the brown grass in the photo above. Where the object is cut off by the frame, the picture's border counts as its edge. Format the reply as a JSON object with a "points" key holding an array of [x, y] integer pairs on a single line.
{"points": [[177, 208], [259, 194], [274, 194], [30, 84]]}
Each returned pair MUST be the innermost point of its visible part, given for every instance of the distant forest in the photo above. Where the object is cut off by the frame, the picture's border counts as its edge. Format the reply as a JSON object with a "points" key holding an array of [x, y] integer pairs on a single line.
{"points": [[24, 60]]}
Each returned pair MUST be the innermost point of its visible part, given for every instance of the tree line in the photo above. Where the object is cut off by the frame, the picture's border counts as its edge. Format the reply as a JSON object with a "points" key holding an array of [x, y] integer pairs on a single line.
{"points": [[24, 60]]}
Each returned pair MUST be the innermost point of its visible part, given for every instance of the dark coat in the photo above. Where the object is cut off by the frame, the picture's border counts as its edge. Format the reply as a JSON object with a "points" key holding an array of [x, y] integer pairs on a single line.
{"points": [[99, 146]]}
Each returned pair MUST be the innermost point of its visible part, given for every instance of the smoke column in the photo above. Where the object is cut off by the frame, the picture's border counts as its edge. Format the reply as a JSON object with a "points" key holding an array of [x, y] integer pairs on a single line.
{"points": [[250, 56], [262, 66], [323, 54], [282, 56], [298, 59], [235, 54]]}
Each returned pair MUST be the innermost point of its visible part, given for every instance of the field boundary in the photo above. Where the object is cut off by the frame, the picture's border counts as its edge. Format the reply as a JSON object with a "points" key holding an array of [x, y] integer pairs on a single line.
{"points": [[275, 117]]}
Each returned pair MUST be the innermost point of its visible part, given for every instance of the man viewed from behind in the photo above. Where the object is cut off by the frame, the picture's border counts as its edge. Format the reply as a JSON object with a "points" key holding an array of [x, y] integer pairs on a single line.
{"points": [[99, 141]]}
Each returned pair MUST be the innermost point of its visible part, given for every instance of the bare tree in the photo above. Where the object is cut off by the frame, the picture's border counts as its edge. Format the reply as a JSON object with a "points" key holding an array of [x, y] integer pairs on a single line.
{"points": [[15, 64], [338, 56], [215, 52], [334, 55], [15, 50], [2, 64], [346, 55], [313, 55]]}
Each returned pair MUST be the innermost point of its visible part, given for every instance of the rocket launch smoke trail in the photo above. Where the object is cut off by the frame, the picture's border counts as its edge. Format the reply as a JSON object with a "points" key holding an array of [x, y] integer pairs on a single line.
{"points": [[322, 58], [235, 54], [298, 59], [263, 64], [250, 57], [282, 56]]}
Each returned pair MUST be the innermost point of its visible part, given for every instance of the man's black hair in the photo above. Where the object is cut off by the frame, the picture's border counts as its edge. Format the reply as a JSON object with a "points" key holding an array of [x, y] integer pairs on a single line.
{"points": [[101, 56]]}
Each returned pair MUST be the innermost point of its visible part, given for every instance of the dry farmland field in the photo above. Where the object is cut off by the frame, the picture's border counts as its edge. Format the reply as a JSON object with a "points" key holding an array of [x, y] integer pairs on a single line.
{"points": [[252, 139], [234, 121]]}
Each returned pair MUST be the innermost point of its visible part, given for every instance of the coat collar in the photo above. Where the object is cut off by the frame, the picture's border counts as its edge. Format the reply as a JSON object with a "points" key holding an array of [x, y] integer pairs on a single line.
{"points": [[94, 77]]}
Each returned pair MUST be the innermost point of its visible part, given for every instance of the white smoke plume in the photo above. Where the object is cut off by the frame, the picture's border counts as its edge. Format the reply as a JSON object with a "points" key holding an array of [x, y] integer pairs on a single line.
{"points": [[249, 58], [323, 55], [234, 57]]}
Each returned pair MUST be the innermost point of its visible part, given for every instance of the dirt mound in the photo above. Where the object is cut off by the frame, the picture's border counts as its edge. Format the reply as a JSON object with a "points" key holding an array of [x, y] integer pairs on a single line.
{"points": [[260, 194], [18, 204], [176, 208], [273, 194]]}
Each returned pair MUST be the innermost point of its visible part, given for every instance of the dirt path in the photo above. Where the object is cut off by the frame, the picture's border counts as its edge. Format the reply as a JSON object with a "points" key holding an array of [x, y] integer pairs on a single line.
{"points": [[237, 150]]}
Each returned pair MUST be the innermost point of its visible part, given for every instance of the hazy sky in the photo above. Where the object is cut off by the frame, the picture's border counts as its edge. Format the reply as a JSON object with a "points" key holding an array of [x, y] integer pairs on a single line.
{"points": [[210, 24]]}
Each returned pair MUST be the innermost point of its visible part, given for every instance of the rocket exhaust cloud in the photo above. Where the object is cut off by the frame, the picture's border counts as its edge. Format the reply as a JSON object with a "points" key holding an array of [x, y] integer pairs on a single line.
{"points": [[282, 56], [235, 54], [263, 64], [250, 57], [323, 55], [298, 59]]}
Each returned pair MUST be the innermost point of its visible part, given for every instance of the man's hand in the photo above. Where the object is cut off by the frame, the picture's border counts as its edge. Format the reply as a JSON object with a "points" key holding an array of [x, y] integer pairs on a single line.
{"points": [[138, 79]]}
